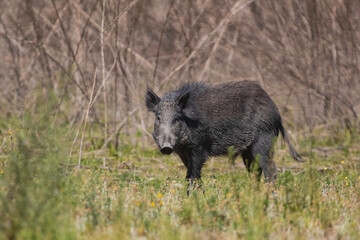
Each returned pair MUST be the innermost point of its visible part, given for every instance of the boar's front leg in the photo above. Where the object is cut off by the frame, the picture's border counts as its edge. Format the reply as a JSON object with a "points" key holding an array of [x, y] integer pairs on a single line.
{"points": [[185, 158], [195, 164]]}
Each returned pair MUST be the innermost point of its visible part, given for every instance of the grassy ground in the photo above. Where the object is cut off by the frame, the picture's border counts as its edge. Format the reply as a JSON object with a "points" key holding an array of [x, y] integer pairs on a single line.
{"points": [[138, 194]]}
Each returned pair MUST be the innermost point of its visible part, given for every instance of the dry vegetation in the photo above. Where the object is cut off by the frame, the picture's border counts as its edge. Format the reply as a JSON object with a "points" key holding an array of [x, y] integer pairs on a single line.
{"points": [[74, 73], [304, 53]]}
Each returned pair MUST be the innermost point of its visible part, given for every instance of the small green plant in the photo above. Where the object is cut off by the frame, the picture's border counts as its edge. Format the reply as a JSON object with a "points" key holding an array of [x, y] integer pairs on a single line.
{"points": [[32, 200]]}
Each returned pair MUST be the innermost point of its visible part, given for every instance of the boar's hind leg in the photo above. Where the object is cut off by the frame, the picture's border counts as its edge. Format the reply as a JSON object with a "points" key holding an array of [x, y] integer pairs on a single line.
{"points": [[263, 151], [250, 163]]}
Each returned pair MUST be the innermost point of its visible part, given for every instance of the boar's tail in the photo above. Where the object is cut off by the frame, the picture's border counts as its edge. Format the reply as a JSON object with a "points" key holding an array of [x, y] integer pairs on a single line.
{"points": [[293, 152]]}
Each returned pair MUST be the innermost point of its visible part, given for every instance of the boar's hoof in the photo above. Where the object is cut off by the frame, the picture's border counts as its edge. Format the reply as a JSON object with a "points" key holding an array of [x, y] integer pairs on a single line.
{"points": [[194, 184]]}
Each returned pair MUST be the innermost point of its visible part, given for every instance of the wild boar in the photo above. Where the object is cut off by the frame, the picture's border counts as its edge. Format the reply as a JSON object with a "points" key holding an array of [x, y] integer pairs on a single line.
{"points": [[200, 120]]}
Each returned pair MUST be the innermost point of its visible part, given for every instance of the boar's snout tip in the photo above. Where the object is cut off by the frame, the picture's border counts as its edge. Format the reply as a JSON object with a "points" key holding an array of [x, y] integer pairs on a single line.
{"points": [[166, 150]]}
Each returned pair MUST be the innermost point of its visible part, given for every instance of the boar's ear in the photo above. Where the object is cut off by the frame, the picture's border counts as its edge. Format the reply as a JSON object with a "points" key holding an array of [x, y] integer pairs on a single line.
{"points": [[182, 100], [152, 100]]}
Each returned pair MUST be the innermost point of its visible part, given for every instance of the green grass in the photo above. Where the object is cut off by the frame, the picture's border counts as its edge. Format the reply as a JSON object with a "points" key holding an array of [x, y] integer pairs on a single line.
{"points": [[142, 194]]}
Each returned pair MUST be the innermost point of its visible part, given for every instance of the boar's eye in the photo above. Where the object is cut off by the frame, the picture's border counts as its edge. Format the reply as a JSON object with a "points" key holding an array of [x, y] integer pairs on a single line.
{"points": [[158, 118]]}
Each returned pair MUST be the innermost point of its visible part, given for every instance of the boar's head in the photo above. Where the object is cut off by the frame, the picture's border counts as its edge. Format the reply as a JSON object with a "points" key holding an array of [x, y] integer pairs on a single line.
{"points": [[170, 126]]}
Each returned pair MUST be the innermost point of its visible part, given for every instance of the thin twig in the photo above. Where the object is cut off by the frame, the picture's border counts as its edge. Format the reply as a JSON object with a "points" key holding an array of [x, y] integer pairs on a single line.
{"points": [[86, 117], [72, 146], [212, 53], [109, 29], [160, 40], [236, 8], [102, 84], [2, 145], [103, 67], [122, 124]]}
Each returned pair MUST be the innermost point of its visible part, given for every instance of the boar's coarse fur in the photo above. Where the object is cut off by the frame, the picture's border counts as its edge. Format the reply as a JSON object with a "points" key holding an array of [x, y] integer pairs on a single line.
{"points": [[200, 120]]}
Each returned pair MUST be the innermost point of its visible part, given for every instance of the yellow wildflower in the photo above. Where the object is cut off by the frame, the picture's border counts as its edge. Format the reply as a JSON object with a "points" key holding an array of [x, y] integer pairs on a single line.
{"points": [[342, 162], [159, 195], [173, 190], [2, 172], [347, 184], [161, 202], [345, 178], [152, 204], [10, 132], [229, 195], [325, 168]]}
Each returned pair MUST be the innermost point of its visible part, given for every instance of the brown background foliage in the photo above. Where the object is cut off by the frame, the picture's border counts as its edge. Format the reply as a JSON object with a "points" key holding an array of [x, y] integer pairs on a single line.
{"points": [[305, 53]]}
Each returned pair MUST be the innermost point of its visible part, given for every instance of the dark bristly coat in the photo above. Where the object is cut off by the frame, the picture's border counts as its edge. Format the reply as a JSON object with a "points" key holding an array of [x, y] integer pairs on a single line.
{"points": [[200, 120]]}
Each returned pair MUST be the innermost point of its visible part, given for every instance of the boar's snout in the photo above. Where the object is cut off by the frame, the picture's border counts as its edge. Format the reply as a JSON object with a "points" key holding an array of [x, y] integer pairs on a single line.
{"points": [[167, 143], [167, 149]]}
